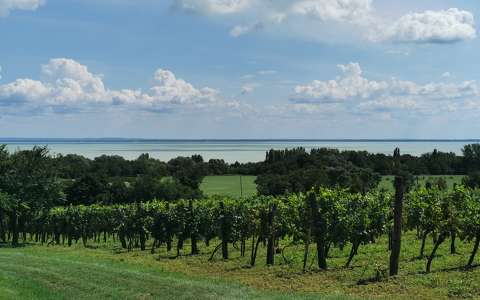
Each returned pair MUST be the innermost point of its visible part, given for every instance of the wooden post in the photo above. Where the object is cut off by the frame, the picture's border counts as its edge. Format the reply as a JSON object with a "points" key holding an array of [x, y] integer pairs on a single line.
{"points": [[397, 216]]}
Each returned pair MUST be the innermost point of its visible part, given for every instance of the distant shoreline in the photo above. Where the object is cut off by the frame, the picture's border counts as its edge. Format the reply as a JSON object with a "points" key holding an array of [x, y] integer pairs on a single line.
{"points": [[142, 140], [230, 150]]}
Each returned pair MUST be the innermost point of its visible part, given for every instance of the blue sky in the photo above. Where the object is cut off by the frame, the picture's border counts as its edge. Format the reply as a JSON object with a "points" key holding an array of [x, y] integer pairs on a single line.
{"points": [[239, 69]]}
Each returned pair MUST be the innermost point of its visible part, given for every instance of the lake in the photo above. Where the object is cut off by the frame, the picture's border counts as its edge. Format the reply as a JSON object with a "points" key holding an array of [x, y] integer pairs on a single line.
{"points": [[229, 150]]}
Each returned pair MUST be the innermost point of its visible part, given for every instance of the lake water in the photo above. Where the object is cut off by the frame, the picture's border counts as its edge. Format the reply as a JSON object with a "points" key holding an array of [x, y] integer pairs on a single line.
{"points": [[229, 150]]}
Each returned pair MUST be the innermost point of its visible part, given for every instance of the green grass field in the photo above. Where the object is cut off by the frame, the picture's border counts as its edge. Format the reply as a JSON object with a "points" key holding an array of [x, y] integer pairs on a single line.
{"points": [[36, 272], [103, 271], [229, 185], [387, 181]]}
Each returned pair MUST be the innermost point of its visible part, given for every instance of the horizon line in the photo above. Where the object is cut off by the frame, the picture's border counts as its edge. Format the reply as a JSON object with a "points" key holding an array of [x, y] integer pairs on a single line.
{"points": [[19, 139]]}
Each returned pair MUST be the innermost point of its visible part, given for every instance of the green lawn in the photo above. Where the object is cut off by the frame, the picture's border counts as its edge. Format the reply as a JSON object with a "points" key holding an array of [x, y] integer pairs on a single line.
{"points": [[103, 271], [36, 272], [229, 185]]}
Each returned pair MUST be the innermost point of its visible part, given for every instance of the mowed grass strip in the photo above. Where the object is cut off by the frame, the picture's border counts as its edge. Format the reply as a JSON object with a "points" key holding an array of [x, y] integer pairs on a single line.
{"points": [[229, 185], [106, 272], [59, 273]]}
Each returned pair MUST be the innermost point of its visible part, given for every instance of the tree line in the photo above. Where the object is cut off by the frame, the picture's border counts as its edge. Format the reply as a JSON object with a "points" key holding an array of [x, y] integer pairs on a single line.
{"points": [[115, 180], [279, 161]]}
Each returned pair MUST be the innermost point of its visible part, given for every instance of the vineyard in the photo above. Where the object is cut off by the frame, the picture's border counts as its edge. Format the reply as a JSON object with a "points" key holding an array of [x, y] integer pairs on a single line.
{"points": [[318, 222]]}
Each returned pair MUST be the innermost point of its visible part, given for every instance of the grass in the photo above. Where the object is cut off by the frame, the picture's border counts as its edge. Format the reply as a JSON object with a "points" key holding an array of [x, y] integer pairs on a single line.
{"points": [[387, 181], [105, 271], [447, 280], [37, 272], [229, 185]]}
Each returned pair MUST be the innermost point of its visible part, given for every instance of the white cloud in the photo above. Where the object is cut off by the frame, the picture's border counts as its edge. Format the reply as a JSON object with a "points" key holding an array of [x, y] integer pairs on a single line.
{"points": [[355, 11], [359, 16], [361, 94], [68, 86], [402, 52], [389, 103], [446, 74], [267, 72], [221, 7], [444, 26], [67, 83], [249, 88], [351, 84], [248, 76], [245, 29], [258, 73], [8, 5]]}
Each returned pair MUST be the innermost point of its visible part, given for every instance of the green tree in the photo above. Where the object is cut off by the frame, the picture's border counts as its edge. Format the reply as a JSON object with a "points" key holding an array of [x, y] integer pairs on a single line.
{"points": [[188, 171], [30, 184], [89, 189]]}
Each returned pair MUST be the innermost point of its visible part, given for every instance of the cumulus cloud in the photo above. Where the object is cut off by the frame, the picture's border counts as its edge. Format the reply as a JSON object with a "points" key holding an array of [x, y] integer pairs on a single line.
{"points": [[444, 26], [8, 5], [441, 26], [352, 89], [356, 11], [68, 86], [350, 85]]}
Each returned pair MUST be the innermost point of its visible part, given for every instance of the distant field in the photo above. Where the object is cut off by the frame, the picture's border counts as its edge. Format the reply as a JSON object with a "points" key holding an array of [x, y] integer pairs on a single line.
{"points": [[387, 181], [229, 185]]}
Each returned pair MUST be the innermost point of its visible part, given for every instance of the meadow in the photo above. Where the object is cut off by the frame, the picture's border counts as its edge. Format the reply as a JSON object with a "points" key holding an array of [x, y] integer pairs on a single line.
{"points": [[39, 272], [420, 180], [231, 185]]}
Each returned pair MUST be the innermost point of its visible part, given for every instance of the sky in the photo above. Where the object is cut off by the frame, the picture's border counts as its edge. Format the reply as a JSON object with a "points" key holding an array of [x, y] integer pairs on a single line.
{"points": [[200, 69]]}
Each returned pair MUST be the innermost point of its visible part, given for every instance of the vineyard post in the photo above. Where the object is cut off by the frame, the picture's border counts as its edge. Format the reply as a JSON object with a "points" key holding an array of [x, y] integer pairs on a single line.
{"points": [[308, 229], [14, 227], [142, 233], [397, 215], [271, 236], [2, 229], [241, 187], [318, 214], [193, 233], [224, 230]]}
